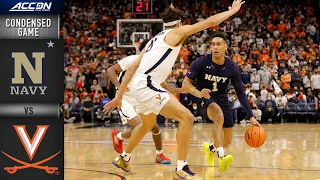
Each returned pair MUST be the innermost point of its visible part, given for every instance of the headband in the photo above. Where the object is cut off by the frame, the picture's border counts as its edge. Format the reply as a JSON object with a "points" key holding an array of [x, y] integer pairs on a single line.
{"points": [[172, 23]]}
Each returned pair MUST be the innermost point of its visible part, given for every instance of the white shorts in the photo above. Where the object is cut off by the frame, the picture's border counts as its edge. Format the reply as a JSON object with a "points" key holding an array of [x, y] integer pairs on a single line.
{"points": [[150, 97], [127, 111]]}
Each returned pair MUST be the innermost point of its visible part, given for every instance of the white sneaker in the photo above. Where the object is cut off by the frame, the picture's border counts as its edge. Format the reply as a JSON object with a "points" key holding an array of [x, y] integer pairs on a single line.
{"points": [[70, 120], [243, 121]]}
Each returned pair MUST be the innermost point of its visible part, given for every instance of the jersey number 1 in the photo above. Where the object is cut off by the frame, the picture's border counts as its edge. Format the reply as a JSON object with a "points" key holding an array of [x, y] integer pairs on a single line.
{"points": [[215, 87]]}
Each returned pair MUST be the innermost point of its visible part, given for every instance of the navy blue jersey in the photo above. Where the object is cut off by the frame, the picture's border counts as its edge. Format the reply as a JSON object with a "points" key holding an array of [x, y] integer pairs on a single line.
{"points": [[217, 78]]}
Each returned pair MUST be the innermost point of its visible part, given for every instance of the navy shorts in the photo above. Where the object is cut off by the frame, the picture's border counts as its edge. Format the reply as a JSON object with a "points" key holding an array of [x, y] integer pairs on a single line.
{"points": [[223, 103]]}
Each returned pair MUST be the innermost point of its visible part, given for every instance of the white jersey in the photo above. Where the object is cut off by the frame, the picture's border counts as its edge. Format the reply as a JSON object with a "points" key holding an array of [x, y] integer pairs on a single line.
{"points": [[156, 64], [127, 111], [125, 63], [158, 59]]}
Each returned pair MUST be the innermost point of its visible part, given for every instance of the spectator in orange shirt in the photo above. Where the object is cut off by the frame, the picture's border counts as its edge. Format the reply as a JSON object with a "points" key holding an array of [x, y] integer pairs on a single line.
{"points": [[93, 26], [67, 94], [236, 58], [283, 55], [270, 26], [298, 18], [304, 54], [274, 15], [300, 32], [264, 57], [285, 81], [282, 28], [312, 44], [273, 44], [255, 54], [244, 58], [290, 35], [312, 52], [184, 53], [182, 66], [274, 60], [70, 40]]}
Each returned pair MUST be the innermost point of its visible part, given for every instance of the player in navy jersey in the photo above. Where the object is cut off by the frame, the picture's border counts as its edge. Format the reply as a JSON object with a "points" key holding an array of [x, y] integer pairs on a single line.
{"points": [[213, 74]]}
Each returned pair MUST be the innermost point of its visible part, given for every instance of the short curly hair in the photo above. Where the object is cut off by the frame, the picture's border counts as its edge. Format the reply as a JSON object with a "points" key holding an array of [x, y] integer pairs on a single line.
{"points": [[171, 14], [222, 35]]}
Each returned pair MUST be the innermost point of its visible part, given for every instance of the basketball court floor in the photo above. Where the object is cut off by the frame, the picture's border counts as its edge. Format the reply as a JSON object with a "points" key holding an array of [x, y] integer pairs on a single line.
{"points": [[291, 152]]}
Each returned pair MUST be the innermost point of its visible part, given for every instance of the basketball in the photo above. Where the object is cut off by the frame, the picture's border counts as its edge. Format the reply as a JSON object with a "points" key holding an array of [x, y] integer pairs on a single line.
{"points": [[255, 136]]}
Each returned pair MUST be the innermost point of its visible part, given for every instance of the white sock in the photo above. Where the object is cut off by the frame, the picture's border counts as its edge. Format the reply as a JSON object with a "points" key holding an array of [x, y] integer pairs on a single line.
{"points": [[220, 151], [119, 136], [181, 164], [126, 156], [159, 152]]}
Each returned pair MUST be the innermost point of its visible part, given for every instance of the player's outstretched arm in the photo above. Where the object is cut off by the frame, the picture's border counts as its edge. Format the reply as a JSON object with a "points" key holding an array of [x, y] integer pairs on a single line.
{"points": [[112, 74], [237, 83], [180, 33], [187, 86], [171, 89]]}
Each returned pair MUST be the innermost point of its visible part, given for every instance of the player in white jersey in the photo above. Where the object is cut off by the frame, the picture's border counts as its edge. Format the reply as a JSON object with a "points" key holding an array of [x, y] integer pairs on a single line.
{"points": [[127, 111], [148, 72]]}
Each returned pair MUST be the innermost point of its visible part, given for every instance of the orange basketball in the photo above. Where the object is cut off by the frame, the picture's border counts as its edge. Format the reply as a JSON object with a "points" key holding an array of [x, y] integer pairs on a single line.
{"points": [[255, 136]]}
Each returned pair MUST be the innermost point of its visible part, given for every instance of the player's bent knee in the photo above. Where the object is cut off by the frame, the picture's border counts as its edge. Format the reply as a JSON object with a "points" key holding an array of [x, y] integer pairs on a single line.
{"points": [[215, 113], [218, 119], [186, 118], [134, 122]]}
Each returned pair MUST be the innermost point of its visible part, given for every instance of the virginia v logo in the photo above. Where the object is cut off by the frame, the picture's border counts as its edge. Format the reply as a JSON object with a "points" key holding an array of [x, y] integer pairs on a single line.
{"points": [[31, 146], [35, 74]]}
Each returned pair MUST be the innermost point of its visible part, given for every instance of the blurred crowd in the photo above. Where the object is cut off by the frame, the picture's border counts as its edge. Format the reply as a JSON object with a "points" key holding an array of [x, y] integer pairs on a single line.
{"points": [[275, 44]]}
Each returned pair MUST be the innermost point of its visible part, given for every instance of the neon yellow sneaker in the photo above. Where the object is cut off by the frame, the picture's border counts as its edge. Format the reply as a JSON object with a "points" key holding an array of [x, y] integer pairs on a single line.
{"points": [[119, 162], [224, 162], [185, 174], [209, 154]]}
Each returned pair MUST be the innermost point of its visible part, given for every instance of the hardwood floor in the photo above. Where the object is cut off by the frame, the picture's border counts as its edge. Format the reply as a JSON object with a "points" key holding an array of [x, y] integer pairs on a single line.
{"points": [[291, 151]]}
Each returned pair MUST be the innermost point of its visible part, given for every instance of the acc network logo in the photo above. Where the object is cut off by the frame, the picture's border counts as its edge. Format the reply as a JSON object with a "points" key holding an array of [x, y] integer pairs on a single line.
{"points": [[31, 6], [35, 74], [31, 147]]}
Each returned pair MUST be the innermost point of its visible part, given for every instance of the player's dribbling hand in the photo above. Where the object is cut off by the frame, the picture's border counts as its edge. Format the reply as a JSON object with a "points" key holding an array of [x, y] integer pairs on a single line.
{"points": [[254, 122], [110, 106], [205, 93], [236, 5]]}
